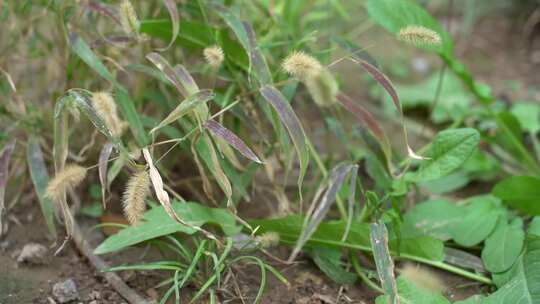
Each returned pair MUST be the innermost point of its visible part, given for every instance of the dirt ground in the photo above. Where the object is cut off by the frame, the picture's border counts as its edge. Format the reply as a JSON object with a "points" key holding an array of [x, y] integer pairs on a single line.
{"points": [[511, 71]]}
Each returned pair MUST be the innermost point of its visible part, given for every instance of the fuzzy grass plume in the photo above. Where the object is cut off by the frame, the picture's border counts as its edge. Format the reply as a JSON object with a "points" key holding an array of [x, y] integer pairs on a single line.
{"points": [[214, 56], [321, 84], [138, 188], [68, 178], [105, 107], [418, 35], [301, 65], [128, 18], [268, 239], [422, 277]]}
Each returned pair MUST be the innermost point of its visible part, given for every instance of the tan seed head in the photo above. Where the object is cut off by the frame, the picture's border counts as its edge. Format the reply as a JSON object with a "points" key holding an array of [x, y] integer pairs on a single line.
{"points": [[128, 18], [105, 107], [268, 239], [70, 177], [422, 277], [138, 188], [301, 65], [418, 35], [214, 55]]}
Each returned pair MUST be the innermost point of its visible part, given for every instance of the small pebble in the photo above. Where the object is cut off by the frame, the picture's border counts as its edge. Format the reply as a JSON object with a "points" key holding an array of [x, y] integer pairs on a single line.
{"points": [[65, 291], [33, 253]]}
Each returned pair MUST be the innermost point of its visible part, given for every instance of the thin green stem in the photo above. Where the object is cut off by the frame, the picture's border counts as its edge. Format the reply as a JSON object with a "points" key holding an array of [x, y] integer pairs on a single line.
{"points": [[362, 275]]}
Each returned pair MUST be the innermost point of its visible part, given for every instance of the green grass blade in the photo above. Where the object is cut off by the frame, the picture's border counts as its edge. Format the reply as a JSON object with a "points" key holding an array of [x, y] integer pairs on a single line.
{"points": [[40, 179]]}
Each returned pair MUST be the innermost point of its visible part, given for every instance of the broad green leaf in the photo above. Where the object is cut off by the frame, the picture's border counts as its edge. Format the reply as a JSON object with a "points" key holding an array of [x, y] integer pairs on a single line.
{"points": [[290, 228], [192, 34], [434, 218], [534, 226], [479, 220], [383, 261], [524, 286], [448, 151], [157, 223], [40, 179], [528, 115], [520, 192], [510, 131], [503, 246], [454, 181], [410, 293], [329, 261], [394, 15]]}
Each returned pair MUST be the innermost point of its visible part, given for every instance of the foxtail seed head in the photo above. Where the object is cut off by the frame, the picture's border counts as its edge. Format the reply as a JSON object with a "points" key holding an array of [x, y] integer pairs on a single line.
{"points": [[105, 107], [214, 55], [418, 35], [422, 277], [128, 18], [301, 65], [70, 177], [323, 88], [268, 239], [138, 188]]}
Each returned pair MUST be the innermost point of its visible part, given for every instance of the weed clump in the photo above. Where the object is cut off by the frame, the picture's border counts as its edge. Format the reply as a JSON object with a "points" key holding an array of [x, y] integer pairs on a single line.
{"points": [[138, 188], [68, 178]]}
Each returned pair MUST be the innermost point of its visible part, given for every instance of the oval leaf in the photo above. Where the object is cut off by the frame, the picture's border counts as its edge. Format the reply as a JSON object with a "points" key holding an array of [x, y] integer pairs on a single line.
{"points": [[448, 151]]}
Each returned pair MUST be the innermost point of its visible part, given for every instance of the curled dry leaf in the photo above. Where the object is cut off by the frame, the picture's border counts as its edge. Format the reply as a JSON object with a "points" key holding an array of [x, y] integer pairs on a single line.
{"points": [[163, 196], [102, 170]]}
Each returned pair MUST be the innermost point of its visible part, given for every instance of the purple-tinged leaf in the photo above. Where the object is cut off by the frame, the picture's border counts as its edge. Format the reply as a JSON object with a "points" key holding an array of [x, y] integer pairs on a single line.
{"points": [[323, 200], [257, 63], [104, 10], [185, 107], [5, 156], [367, 119], [220, 131], [383, 260], [175, 19], [385, 82], [382, 80], [292, 123], [163, 65], [102, 170], [185, 79]]}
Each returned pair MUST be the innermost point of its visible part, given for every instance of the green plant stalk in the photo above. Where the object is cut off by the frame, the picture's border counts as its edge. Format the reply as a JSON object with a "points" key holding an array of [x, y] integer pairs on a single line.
{"points": [[438, 264], [363, 277]]}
